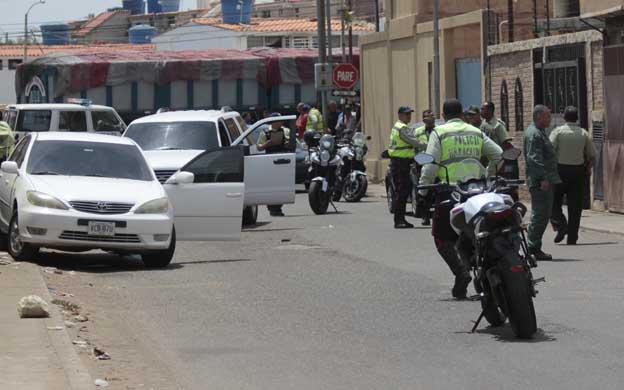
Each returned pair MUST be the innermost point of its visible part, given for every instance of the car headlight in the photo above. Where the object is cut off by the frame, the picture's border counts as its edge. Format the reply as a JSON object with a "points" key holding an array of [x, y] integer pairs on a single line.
{"points": [[40, 199], [325, 155], [156, 206]]}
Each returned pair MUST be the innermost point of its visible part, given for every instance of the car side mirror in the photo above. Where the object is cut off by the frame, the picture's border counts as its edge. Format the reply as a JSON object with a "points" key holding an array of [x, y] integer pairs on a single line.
{"points": [[181, 178], [10, 167]]}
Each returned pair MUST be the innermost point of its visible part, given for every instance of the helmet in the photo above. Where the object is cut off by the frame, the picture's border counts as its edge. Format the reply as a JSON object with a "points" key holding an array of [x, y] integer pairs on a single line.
{"points": [[311, 138]]}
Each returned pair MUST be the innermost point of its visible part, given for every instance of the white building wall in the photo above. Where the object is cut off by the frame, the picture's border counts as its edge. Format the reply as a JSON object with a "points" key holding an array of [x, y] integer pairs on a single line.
{"points": [[197, 37], [7, 85]]}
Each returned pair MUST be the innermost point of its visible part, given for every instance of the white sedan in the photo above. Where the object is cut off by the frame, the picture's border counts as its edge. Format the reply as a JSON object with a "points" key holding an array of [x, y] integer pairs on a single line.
{"points": [[79, 192]]}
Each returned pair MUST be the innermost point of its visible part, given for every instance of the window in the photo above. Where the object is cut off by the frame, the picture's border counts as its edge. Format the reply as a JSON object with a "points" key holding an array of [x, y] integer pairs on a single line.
{"points": [[225, 140], [301, 42], [171, 20], [504, 97], [519, 105], [266, 14], [33, 120], [232, 129], [10, 117], [1, 65], [106, 121], [224, 165], [14, 63], [20, 151], [174, 135], [296, 12], [73, 120]]}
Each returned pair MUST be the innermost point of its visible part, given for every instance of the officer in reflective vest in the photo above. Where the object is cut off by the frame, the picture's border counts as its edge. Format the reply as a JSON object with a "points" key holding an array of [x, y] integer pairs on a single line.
{"points": [[422, 134], [315, 121], [450, 144], [401, 155]]}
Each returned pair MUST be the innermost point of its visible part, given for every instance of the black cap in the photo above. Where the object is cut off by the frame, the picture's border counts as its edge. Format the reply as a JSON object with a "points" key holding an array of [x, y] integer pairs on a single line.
{"points": [[405, 110], [473, 110]]}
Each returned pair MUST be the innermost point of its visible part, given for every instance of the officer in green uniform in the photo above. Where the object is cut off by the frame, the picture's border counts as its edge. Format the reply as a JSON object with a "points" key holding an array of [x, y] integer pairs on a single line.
{"points": [[473, 116], [401, 155], [275, 140], [542, 177], [7, 141], [422, 135], [493, 127], [315, 121], [450, 144], [576, 155]]}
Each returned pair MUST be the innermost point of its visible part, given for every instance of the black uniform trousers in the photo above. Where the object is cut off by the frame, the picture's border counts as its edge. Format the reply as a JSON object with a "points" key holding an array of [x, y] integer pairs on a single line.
{"points": [[572, 186], [444, 236], [402, 178]]}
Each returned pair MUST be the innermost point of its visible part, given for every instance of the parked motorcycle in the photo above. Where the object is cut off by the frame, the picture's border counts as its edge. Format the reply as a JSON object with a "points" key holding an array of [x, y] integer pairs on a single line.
{"points": [[352, 181], [324, 163], [492, 239]]}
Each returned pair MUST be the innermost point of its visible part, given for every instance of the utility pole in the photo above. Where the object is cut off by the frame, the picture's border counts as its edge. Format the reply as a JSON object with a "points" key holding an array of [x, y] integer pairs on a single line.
{"points": [[350, 34], [510, 20], [329, 32], [436, 58], [320, 16], [26, 28], [342, 31], [376, 15]]}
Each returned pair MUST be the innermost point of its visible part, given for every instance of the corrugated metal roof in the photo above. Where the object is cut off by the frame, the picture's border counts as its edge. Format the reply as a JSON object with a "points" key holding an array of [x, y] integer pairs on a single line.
{"points": [[277, 25], [17, 51]]}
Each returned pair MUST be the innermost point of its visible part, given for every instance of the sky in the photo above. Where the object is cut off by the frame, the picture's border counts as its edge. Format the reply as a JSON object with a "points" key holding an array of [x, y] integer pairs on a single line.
{"points": [[12, 11]]}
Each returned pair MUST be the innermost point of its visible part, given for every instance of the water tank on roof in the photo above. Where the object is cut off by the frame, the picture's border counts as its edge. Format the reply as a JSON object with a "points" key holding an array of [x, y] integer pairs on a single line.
{"points": [[55, 33], [141, 34], [169, 5], [236, 11], [153, 7], [135, 7]]}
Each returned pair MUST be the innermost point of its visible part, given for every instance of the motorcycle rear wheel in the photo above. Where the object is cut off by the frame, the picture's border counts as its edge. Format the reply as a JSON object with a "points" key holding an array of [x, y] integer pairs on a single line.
{"points": [[319, 200], [519, 301]]}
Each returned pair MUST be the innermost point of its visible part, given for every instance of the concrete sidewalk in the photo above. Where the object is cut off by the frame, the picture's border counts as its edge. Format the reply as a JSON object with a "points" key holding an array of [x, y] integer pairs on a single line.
{"points": [[598, 221], [33, 356]]}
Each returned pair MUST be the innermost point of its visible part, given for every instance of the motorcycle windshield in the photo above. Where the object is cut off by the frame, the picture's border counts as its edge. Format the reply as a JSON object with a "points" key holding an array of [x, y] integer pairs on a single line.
{"points": [[470, 169]]}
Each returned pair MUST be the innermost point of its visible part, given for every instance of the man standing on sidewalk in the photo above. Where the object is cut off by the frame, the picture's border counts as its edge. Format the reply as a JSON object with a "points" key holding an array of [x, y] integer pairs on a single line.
{"points": [[575, 156], [401, 155], [542, 176]]}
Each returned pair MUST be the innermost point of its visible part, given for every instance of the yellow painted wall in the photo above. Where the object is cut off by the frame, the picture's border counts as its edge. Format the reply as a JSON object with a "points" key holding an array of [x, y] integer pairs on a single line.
{"points": [[588, 6]]}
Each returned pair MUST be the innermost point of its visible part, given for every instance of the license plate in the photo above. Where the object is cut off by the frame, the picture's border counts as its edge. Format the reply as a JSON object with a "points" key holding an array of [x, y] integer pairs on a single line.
{"points": [[101, 228]]}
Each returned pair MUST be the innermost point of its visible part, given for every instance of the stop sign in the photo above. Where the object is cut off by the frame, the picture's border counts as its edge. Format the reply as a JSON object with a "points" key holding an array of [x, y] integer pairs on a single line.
{"points": [[345, 76]]}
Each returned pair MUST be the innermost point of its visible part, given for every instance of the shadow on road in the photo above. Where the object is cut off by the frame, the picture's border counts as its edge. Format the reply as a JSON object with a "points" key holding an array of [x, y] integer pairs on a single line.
{"points": [[96, 262], [597, 243], [562, 260], [505, 334], [212, 261]]}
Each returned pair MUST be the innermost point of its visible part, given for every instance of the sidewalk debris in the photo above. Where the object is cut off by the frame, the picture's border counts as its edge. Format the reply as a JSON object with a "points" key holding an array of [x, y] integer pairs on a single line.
{"points": [[70, 324], [81, 318], [33, 306], [58, 272], [55, 328], [100, 355], [5, 262], [80, 343], [66, 305], [101, 383]]}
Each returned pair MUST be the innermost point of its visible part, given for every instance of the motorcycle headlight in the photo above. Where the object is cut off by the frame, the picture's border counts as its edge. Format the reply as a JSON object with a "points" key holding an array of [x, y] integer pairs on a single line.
{"points": [[327, 142], [156, 206], [359, 153], [325, 155], [40, 199], [358, 139]]}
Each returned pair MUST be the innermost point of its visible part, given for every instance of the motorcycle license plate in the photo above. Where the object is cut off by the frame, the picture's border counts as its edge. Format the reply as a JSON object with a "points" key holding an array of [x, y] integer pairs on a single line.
{"points": [[106, 229]]}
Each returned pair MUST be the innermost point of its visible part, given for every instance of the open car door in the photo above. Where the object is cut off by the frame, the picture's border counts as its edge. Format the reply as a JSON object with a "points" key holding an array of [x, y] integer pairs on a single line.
{"points": [[207, 196], [269, 178]]}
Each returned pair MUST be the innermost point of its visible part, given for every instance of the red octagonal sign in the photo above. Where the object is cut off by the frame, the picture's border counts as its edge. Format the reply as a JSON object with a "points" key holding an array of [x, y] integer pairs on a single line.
{"points": [[345, 76]]}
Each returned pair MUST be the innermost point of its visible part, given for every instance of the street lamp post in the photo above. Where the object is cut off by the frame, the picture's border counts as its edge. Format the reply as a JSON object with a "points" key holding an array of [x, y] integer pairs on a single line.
{"points": [[26, 28]]}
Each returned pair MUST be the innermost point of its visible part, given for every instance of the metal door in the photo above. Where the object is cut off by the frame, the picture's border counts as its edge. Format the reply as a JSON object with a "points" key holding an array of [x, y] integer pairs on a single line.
{"points": [[468, 81]]}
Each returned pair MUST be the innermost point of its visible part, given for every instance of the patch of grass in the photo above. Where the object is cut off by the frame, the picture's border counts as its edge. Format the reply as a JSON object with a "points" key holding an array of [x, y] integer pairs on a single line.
{"points": [[66, 305]]}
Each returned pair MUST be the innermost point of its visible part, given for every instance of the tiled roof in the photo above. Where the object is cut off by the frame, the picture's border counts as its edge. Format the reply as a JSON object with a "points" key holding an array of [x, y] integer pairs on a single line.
{"points": [[187, 12], [17, 51], [277, 25], [97, 21]]}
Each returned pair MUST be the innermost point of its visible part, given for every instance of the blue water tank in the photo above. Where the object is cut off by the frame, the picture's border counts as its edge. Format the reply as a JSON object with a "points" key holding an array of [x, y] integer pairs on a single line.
{"points": [[169, 5], [236, 11], [136, 7], [55, 33], [141, 33], [153, 7]]}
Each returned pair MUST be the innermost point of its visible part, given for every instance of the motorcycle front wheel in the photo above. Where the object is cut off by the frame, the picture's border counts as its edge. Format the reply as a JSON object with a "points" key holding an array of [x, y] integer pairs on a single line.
{"points": [[319, 200], [355, 190]]}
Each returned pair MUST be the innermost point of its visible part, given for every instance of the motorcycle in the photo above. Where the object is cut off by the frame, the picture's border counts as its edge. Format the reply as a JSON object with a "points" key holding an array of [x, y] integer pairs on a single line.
{"points": [[492, 240], [352, 181], [324, 164]]}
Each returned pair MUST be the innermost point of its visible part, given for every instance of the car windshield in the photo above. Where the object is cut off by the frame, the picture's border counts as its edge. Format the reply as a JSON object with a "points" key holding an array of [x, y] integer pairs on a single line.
{"points": [[174, 135], [95, 159]]}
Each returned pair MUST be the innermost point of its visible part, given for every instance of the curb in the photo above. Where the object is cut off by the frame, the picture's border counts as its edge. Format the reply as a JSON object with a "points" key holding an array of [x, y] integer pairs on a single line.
{"points": [[75, 371]]}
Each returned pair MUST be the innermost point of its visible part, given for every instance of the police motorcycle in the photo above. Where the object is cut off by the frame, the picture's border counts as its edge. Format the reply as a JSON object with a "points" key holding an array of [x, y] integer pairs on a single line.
{"points": [[351, 180], [492, 241], [324, 164]]}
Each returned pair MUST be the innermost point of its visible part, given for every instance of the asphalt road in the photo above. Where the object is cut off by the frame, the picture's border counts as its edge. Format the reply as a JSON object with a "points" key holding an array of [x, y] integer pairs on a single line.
{"points": [[344, 301]]}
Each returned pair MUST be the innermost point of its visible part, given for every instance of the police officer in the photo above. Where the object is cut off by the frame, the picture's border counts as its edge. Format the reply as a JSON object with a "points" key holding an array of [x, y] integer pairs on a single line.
{"points": [[422, 134], [315, 121], [542, 176], [7, 141], [401, 155], [473, 116], [493, 127], [449, 144], [575, 156], [275, 139]]}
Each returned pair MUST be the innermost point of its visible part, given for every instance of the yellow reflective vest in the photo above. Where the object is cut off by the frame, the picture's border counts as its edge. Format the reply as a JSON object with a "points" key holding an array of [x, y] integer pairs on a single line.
{"points": [[315, 121], [458, 141], [399, 148]]}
